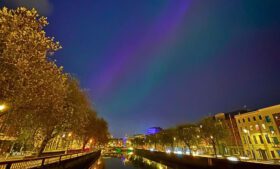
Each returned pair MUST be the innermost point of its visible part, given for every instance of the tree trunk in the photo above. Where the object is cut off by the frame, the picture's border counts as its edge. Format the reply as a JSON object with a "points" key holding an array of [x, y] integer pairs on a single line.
{"points": [[45, 142], [84, 144], [43, 145], [214, 147], [189, 146], [11, 149]]}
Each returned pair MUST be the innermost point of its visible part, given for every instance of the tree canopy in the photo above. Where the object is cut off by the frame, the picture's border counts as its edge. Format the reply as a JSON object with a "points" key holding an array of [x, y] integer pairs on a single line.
{"points": [[40, 96]]}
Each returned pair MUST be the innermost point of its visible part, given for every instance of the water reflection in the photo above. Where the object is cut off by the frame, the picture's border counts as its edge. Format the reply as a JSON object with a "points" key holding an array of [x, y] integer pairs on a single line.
{"points": [[126, 161]]}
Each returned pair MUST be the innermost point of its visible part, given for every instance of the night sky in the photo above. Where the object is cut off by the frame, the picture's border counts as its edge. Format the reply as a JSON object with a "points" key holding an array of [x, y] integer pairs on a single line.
{"points": [[164, 62]]}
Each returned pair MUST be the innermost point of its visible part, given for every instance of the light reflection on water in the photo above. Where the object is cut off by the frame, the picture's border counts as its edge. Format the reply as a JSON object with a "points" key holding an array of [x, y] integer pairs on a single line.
{"points": [[126, 161]]}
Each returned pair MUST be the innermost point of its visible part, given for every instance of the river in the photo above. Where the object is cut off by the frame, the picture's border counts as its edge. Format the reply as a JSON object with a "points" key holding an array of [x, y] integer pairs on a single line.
{"points": [[124, 161]]}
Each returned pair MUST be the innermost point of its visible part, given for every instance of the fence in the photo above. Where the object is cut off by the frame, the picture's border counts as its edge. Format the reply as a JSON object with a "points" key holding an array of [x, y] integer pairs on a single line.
{"points": [[39, 162]]}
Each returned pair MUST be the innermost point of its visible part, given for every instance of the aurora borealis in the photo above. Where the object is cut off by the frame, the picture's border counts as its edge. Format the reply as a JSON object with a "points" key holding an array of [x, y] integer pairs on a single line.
{"points": [[163, 62]]}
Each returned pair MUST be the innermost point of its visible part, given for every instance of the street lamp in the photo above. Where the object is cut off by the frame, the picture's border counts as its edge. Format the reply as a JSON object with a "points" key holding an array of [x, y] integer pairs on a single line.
{"points": [[2, 107]]}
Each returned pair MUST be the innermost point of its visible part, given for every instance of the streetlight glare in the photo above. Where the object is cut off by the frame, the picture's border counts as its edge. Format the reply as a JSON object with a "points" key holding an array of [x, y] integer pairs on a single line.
{"points": [[2, 107], [245, 131]]}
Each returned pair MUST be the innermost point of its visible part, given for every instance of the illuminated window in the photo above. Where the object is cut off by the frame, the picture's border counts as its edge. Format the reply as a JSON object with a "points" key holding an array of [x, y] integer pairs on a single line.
{"points": [[257, 127], [251, 127]]}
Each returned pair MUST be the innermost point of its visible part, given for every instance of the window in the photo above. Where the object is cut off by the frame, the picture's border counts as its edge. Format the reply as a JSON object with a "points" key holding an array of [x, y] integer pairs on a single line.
{"points": [[272, 154], [249, 139], [278, 151], [255, 140], [275, 140], [251, 127], [249, 119], [261, 139], [267, 139], [263, 126], [245, 141], [243, 120], [271, 128], [260, 117], [254, 118], [238, 121], [267, 119], [257, 127]]}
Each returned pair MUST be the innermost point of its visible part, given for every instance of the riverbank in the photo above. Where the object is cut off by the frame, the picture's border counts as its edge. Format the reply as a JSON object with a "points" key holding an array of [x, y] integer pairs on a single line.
{"points": [[195, 162]]}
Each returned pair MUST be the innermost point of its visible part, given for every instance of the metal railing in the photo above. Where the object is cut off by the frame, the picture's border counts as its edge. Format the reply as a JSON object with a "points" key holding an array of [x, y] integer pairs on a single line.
{"points": [[38, 162]]}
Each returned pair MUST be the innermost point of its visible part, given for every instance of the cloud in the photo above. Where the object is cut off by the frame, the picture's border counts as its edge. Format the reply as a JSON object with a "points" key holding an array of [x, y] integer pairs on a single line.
{"points": [[44, 7]]}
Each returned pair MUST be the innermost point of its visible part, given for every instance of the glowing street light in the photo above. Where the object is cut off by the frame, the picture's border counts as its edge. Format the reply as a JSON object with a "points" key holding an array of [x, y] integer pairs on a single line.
{"points": [[245, 131], [2, 107]]}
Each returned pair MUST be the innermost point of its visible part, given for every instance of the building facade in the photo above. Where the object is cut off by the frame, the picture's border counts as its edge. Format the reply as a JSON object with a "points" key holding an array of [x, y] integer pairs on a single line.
{"points": [[260, 133], [232, 144]]}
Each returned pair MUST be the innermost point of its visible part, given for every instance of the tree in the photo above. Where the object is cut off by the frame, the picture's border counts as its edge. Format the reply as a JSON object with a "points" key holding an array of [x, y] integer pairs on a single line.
{"points": [[31, 83], [166, 137], [94, 128], [138, 142], [188, 134], [212, 132], [43, 101], [102, 131]]}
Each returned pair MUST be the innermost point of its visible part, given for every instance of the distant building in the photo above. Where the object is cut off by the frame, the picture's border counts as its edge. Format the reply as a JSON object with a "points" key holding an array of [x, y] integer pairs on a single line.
{"points": [[260, 132], [153, 130], [137, 136], [116, 142]]}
